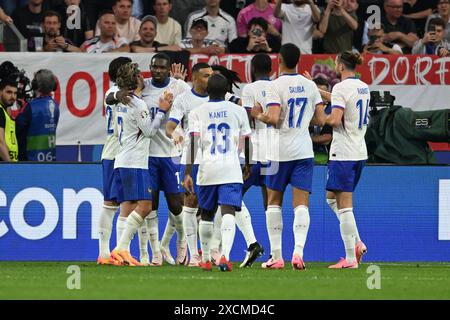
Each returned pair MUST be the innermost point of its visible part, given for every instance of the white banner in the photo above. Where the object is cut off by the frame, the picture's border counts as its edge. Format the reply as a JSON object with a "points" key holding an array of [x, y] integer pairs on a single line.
{"points": [[83, 80]]}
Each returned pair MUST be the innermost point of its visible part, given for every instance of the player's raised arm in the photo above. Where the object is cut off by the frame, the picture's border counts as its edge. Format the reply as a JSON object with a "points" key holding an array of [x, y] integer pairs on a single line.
{"points": [[338, 105]]}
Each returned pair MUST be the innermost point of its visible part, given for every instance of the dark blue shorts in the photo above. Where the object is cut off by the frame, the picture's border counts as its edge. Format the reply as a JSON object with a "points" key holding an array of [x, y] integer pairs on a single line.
{"points": [[256, 178], [132, 184], [108, 179], [194, 173], [224, 194], [297, 173], [164, 174], [344, 175]]}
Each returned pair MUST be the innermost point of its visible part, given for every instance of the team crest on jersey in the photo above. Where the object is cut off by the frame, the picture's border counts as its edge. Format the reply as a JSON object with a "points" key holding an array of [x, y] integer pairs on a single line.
{"points": [[144, 114]]}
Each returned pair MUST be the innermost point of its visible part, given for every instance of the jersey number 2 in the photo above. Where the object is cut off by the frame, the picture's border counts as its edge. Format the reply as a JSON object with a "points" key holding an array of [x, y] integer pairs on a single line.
{"points": [[224, 129], [120, 124]]}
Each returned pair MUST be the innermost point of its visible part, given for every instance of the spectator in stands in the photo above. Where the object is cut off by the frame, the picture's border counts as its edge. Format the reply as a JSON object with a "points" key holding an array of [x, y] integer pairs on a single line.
{"points": [[148, 32], [107, 41], [28, 20], [443, 13], [337, 27], [9, 148], [433, 42], [221, 25], [377, 45], [199, 43], [4, 17], [53, 40], [256, 40], [299, 19], [126, 25], [95, 7], [233, 7], [36, 124], [261, 8], [76, 35], [169, 30], [182, 8], [398, 29], [418, 11]]}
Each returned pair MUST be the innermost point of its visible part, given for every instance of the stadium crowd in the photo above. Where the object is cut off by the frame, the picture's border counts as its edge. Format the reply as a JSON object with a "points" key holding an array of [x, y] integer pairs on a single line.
{"points": [[234, 26]]}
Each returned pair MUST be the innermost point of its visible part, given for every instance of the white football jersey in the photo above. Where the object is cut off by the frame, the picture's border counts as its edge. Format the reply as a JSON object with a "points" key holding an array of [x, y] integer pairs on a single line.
{"points": [[161, 145], [353, 96], [298, 98], [181, 108], [252, 94], [132, 128], [111, 146], [219, 124]]}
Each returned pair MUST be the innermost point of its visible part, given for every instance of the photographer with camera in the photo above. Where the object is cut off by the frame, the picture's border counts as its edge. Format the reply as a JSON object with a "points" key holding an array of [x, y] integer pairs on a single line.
{"points": [[9, 149], [36, 125], [433, 41], [376, 44], [53, 40], [257, 40]]}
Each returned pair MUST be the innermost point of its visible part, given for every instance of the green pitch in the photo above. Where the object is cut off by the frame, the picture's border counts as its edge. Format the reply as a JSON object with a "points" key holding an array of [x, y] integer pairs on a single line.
{"points": [[48, 280]]}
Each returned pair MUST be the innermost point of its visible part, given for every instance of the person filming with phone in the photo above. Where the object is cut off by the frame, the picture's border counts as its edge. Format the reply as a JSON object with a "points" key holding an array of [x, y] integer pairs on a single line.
{"points": [[433, 41], [256, 40], [376, 44]]}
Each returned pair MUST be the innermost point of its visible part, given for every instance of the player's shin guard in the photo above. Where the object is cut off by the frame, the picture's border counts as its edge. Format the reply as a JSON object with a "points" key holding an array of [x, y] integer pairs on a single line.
{"points": [[274, 222], [206, 229], [120, 228], [300, 227], [190, 229], [244, 223], [104, 229], [134, 221], [178, 225], [228, 229], [332, 203], [348, 233], [153, 233]]}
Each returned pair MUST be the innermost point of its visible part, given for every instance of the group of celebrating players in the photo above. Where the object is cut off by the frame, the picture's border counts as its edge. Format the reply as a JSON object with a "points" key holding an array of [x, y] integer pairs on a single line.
{"points": [[204, 148]]}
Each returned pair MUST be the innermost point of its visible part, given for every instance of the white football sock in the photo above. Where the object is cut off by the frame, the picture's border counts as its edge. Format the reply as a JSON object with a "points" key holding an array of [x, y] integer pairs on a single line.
{"points": [[104, 230], [178, 225], [300, 227], [228, 230], [120, 227], [274, 222], [169, 231], [217, 236], [143, 241], [206, 229], [333, 205], [134, 221], [244, 223], [153, 232], [348, 233], [190, 229]]}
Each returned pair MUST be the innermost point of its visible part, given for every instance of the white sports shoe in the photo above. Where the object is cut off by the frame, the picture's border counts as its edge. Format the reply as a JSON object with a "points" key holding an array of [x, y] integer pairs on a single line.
{"points": [[182, 257], [145, 260], [195, 261], [215, 256], [167, 255], [157, 260]]}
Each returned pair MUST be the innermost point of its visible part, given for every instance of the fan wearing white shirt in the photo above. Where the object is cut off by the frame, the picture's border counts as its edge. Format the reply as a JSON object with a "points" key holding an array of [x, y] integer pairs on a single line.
{"points": [[110, 150], [292, 101], [217, 127], [131, 175], [183, 105], [350, 100]]}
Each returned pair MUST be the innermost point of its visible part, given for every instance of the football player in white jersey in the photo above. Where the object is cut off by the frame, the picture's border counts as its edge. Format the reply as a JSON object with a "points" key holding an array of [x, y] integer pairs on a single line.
{"points": [[217, 127], [350, 100], [243, 218], [164, 165], [179, 113], [109, 152], [292, 101], [131, 175]]}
